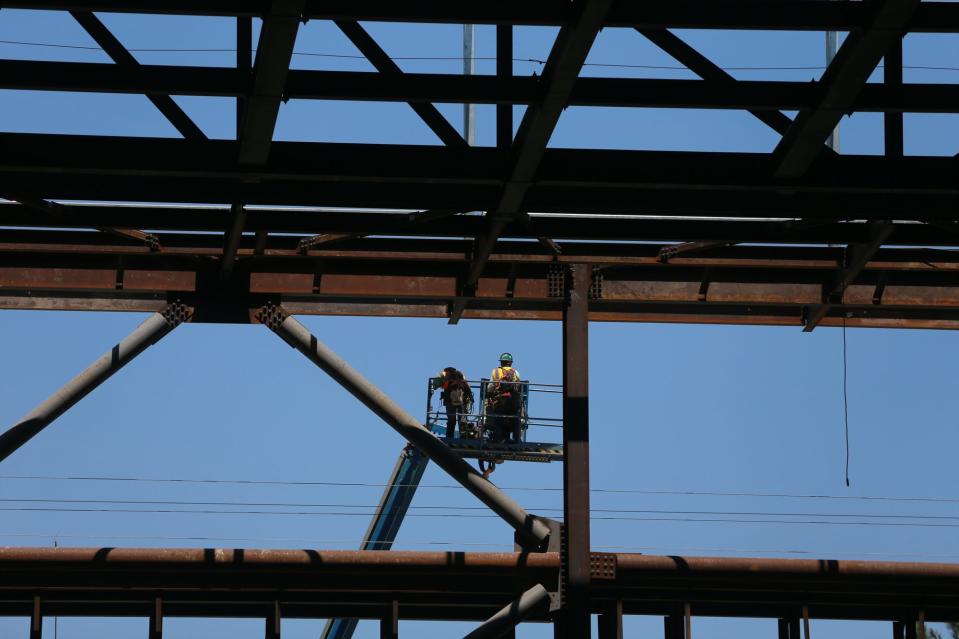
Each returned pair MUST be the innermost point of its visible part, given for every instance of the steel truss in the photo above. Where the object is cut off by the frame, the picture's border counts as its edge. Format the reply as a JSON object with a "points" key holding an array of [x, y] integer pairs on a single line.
{"points": [[800, 236]]}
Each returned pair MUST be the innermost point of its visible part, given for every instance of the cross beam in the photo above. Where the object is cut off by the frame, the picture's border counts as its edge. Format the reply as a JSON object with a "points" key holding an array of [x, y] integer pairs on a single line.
{"points": [[842, 81], [562, 68]]}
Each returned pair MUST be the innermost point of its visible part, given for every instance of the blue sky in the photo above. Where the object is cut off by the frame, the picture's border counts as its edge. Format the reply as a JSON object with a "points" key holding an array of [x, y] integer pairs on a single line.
{"points": [[674, 409]]}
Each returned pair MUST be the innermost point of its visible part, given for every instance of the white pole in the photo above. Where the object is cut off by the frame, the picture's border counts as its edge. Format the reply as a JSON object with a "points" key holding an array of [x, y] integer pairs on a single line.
{"points": [[469, 110], [832, 45]]}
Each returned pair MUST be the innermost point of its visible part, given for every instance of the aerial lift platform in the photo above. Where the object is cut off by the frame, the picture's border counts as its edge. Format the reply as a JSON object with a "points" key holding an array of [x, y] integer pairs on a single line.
{"points": [[474, 441]]}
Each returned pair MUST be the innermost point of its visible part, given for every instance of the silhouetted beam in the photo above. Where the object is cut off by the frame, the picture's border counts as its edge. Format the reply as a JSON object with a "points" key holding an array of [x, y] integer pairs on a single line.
{"points": [[66, 213], [385, 65], [113, 48], [244, 65], [562, 68], [789, 15], [761, 97], [856, 257], [273, 55], [841, 83]]}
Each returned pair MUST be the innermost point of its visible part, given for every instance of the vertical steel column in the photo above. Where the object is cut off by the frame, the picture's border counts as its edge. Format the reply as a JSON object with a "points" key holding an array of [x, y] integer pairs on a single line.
{"points": [[145, 335], [273, 621], [506, 619], [36, 620], [504, 71], [674, 627], [390, 624], [576, 549], [244, 64], [892, 79], [611, 623], [156, 620], [789, 629], [533, 533]]}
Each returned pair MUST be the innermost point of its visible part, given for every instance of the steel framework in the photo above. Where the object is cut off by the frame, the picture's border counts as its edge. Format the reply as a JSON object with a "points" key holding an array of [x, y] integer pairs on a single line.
{"points": [[250, 230]]}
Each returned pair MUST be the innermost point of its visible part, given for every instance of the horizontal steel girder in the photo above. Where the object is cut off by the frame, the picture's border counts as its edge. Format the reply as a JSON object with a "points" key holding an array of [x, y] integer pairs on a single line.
{"points": [[456, 585], [476, 89], [399, 176], [792, 15]]}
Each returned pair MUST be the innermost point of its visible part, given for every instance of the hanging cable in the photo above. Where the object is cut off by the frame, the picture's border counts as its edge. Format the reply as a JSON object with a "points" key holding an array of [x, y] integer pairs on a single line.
{"points": [[845, 395]]}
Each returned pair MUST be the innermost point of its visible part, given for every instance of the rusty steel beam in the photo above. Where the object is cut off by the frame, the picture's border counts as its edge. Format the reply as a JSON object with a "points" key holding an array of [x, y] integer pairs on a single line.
{"points": [[574, 616], [148, 333], [457, 585]]}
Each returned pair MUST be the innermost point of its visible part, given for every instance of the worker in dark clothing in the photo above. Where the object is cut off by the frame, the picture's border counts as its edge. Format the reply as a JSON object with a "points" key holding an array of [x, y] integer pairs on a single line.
{"points": [[457, 398], [505, 401]]}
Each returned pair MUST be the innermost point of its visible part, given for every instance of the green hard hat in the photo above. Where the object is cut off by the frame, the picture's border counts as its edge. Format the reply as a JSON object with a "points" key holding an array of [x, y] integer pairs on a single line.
{"points": [[506, 357]]}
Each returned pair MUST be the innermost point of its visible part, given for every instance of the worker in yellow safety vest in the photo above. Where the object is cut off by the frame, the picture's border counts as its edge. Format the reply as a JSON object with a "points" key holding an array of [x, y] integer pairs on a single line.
{"points": [[504, 400]]}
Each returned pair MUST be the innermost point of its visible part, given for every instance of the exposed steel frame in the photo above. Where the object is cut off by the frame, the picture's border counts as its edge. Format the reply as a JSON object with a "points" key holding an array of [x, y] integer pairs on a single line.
{"points": [[801, 236]]}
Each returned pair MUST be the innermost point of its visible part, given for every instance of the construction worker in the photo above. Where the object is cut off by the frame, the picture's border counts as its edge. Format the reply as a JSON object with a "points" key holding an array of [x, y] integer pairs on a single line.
{"points": [[457, 398], [505, 400]]}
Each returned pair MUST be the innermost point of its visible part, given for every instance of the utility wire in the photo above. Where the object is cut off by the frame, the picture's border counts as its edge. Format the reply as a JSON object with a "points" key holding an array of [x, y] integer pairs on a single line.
{"points": [[626, 491], [247, 504], [475, 516], [346, 56]]}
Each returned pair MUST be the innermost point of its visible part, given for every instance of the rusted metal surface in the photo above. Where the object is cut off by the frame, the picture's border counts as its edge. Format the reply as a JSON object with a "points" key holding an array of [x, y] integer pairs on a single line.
{"points": [[455, 585]]}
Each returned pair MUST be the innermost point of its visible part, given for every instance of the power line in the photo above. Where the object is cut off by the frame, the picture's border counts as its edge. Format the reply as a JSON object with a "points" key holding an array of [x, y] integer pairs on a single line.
{"points": [[458, 59], [247, 504], [166, 511], [342, 484]]}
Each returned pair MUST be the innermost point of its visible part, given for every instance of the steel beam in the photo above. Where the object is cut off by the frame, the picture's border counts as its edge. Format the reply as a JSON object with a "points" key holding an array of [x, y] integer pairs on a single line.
{"points": [[456, 585], [390, 623], [790, 15], [273, 54], [385, 65], [156, 620], [576, 547], [164, 103], [533, 532], [560, 73], [511, 615], [145, 335], [842, 81], [611, 622], [855, 259], [718, 90], [244, 65]]}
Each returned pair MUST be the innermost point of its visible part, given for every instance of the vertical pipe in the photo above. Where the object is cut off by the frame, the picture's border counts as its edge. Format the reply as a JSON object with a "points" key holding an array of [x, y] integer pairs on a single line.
{"points": [[390, 624], [611, 623], [532, 532], [892, 122], [273, 621], [469, 68], [156, 620], [36, 620], [145, 335], [508, 617], [832, 45], [244, 66], [504, 73], [576, 450]]}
